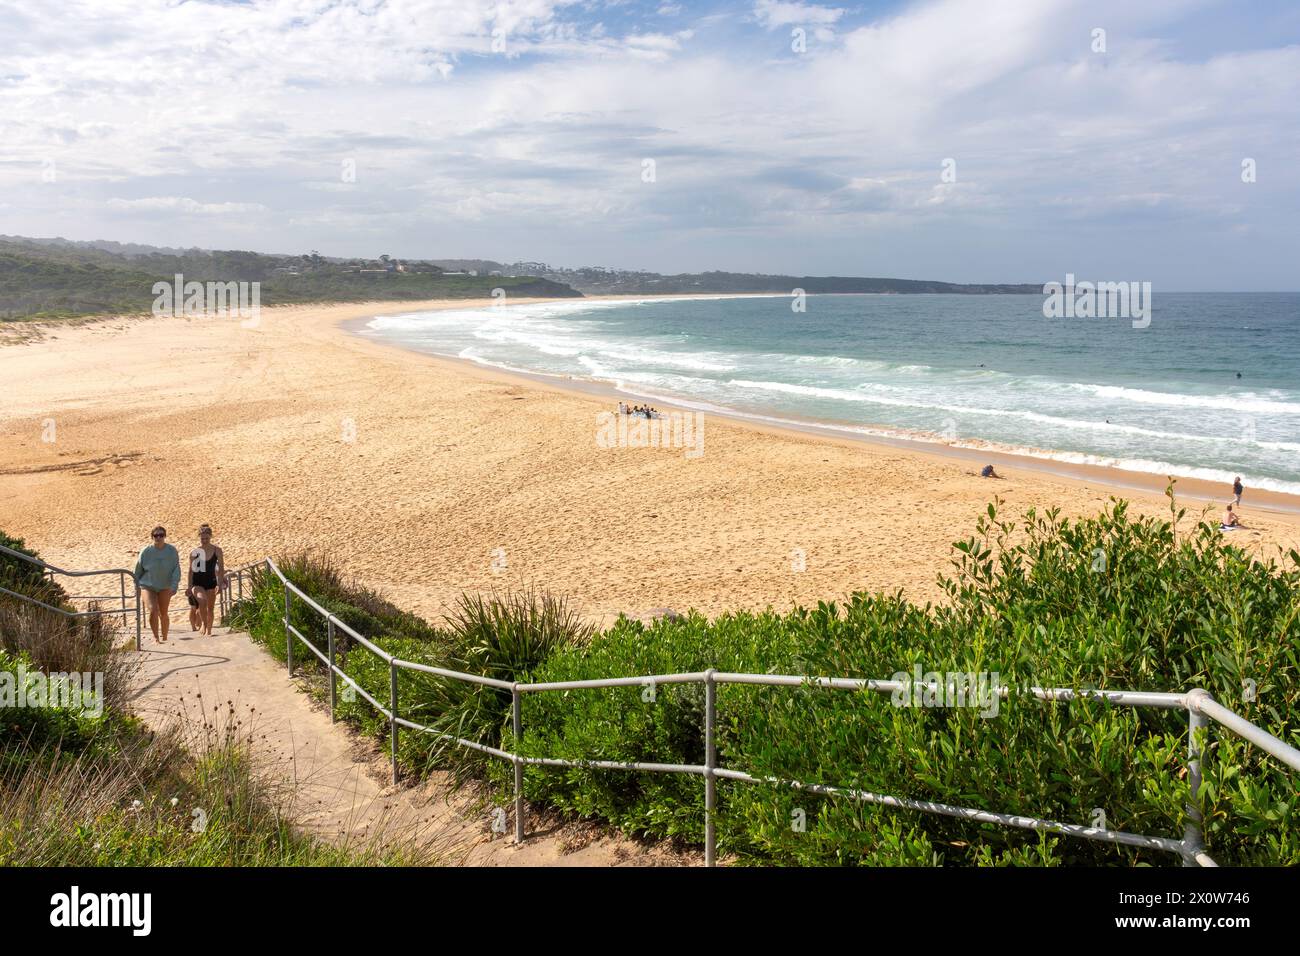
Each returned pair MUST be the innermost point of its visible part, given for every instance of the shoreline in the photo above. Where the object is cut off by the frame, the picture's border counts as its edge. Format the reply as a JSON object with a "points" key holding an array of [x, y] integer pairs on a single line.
{"points": [[1199, 490], [425, 477]]}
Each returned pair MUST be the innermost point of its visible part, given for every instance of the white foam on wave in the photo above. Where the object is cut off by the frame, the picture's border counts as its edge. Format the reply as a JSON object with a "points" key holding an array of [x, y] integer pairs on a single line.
{"points": [[414, 321], [807, 391], [1144, 466], [589, 347], [870, 394], [829, 361], [1245, 402], [474, 356], [422, 321], [629, 383], [1140, 465], [698, 361], [537, 341]]}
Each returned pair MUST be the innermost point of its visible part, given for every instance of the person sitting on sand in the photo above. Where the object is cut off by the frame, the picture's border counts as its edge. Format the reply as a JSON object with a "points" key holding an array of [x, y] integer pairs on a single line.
{"points": [[1231, 519], [988, 472], [207, 567], [158, 575]]}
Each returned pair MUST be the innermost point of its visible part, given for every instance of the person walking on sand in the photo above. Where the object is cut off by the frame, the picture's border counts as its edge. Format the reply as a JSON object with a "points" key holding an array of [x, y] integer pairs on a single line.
{"points": [[158, 573], [207, 568], [1236, 491]]}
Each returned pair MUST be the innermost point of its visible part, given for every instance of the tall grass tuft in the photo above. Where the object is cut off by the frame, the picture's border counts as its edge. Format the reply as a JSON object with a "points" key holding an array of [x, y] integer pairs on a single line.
{"points": [[170, 799], [504, 636], [56, 644]]}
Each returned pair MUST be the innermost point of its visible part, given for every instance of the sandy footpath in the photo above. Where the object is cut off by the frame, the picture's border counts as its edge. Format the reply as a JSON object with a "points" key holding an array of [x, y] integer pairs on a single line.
{"points": [[339, 781], [426, 477]]}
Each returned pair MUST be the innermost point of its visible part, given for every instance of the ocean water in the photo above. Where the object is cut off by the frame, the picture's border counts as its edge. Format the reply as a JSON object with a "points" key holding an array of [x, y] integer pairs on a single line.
{"points": [[974, 371]]}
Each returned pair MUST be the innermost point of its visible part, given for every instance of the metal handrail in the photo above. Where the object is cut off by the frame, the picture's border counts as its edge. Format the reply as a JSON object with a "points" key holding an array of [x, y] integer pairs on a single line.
{"points": [[30, 559], [1200, 706], [95, 611]]}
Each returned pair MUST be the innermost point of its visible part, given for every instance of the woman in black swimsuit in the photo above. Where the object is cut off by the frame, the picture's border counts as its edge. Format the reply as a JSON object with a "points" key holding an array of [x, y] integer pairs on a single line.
{"points": [[207, 570]]}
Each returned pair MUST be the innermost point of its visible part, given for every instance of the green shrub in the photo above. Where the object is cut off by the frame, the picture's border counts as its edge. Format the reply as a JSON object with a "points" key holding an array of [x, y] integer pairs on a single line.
{"points": [[502, 636], [1158, 613], [1106, 602], [57, 723], [261, 612], [54, 643], [25, 577]]}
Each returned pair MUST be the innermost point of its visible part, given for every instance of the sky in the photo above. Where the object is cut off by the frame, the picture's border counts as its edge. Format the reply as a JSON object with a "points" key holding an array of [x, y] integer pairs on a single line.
{"points": [[981, 140]]}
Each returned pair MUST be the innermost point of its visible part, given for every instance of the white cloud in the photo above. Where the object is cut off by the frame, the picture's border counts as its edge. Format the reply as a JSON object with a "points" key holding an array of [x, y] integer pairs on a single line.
{"points": [[772, 14], [253, 107], [184, 205], [656, 45]]}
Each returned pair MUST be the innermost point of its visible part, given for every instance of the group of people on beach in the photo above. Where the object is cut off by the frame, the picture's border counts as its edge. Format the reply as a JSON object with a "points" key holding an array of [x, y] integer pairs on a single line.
{"points": [[1232, 519], [638, 411], [158, 572]]}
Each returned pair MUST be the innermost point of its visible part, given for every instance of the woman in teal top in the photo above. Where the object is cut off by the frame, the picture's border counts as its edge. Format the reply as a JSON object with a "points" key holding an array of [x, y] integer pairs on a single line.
{"points": [[158, 572]]}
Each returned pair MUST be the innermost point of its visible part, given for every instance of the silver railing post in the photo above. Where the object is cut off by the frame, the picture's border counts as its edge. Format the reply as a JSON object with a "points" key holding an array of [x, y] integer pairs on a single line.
{"points": [[392, 709], [288, 637], [239, 576], [334, 677], [518, 719], [1197, 724], [710, 763]]}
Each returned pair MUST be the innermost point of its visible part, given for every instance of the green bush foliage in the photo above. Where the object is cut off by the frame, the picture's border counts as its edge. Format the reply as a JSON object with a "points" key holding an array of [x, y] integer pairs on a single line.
{"points": [[503, 637], [1109, 602], [25, 577]]}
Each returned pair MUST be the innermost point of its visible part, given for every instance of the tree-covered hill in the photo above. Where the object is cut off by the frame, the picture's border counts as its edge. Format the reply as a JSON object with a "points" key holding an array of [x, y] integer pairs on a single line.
{"points": [[46, 279], [596, 281]]}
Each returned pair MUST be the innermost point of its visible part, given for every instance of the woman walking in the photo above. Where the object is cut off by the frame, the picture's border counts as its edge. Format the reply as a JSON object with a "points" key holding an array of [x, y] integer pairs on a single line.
{"points": [[158, 573], [207, 570]]}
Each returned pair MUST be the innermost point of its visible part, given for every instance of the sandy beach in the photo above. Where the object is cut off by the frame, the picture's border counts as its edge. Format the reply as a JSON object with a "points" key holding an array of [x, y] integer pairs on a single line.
{"points": [[426, 477]]}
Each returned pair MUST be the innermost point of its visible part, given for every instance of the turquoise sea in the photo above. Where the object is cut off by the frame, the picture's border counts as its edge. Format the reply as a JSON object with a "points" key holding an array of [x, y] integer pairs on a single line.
{"points": [[1210, 389]]}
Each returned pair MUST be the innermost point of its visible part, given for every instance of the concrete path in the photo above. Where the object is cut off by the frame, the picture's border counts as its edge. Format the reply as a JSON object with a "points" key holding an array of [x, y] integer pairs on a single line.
{"points": [[338, 780]]}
